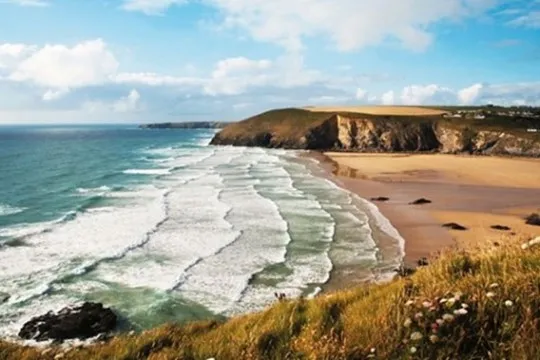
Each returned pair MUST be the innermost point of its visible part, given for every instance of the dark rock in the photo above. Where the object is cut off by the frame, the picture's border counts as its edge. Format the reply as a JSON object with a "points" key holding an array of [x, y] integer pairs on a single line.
{"points": [[4, 297], [455, 226], [380, 198], [500, 227], [83, 322], [423, 262], [421, 201], [533, 219], [405, 271]]}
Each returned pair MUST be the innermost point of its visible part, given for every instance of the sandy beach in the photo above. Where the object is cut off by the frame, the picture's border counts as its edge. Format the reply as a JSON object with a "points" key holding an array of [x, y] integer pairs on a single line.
{"points": [[475, 192]]}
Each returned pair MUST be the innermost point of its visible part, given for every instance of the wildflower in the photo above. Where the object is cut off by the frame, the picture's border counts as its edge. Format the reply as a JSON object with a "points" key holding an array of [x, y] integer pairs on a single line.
{"points": [[413, 350], [458, 295], [508, 303], [439, 322], [409, 303], [490, 294], [451, 302], [432, 309], [460, 312], [407, 323], [434, 327], [433, 338], [448, 317], [443, 300], [465, 306], [372, 350], [494, 286], [416, 335], [426, 304], [418, 315]]}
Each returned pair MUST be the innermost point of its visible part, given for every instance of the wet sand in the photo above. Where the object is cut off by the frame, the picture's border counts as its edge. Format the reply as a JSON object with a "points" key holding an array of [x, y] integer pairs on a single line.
{"points": [[475, 192]]}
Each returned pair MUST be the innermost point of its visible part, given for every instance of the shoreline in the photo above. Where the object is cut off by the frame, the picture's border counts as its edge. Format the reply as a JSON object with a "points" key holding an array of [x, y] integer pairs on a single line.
{"points": [[477, 200]]}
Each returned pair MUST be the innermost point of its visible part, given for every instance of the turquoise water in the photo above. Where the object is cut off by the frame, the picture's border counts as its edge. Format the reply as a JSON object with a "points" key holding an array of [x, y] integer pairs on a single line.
{"points": [[162, 227]]}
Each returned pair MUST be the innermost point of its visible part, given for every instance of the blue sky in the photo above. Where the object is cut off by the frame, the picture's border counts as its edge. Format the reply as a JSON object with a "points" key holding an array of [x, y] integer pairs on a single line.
{"points": [[174, 60]]}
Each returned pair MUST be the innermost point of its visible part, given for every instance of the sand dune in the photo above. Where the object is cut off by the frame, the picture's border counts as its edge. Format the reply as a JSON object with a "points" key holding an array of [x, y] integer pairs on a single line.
{"points": [[380, 110]]}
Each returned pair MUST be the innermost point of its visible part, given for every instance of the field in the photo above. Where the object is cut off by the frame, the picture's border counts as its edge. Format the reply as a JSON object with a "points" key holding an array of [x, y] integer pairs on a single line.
{"points": [[381, 110]]}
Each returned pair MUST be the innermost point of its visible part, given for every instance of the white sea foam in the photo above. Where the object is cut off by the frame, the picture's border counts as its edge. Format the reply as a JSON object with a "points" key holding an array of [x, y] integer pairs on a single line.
{"points": [[70, 248], [101, 189], [147, 171], [9, 210]]}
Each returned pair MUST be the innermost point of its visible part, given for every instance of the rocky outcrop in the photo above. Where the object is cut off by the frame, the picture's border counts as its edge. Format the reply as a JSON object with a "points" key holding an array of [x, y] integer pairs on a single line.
{"points": [[83, 322], [370, 133], [187, 125]]}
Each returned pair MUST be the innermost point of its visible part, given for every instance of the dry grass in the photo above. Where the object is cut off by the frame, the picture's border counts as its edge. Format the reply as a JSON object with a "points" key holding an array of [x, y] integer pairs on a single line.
{"points": [[482, 305], [380, 110]]}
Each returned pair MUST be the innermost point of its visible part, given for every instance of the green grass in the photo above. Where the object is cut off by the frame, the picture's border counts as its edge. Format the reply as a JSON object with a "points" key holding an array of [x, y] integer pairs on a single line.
{"points": [[498, 292]]}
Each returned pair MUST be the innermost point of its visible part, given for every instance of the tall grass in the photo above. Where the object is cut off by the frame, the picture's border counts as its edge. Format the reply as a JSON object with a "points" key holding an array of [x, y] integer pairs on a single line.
{"points": [[480, 305]]}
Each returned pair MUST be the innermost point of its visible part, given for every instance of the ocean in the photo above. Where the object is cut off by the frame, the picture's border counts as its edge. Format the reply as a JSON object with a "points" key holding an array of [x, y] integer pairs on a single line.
{"points": [[162, 227]]}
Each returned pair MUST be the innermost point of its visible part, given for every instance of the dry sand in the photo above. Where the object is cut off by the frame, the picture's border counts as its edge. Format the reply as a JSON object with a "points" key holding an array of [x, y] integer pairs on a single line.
{"points": [[380, 110], [476, 192]]}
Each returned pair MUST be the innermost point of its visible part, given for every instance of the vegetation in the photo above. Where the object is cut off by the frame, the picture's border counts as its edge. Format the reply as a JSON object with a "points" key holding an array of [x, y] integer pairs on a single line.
{"points": [[478, 305]]}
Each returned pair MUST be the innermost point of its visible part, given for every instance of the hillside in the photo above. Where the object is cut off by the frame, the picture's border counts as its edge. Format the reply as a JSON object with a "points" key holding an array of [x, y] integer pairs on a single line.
{"points": [[186, 125], [333, 129], [480, 305]]}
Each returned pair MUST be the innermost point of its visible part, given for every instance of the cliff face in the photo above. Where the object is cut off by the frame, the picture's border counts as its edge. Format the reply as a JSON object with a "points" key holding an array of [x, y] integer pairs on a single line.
{"points": [[359, 133]]}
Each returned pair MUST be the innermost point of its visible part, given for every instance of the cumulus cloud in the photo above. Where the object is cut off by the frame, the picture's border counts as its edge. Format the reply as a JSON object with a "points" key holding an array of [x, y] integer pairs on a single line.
{"points": [[150, 7], [388, 98], [469, 94], [62, 67], [128, 103], [349, 24], [417, 94]]}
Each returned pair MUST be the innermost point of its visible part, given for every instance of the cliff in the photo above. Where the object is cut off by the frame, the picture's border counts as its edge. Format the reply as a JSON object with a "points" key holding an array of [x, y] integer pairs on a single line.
{"points": [[187, 125], [356, 132]]}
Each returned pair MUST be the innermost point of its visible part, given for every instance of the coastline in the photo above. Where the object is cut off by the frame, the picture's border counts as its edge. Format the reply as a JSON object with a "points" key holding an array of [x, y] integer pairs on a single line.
{"points": [[477, 200]]}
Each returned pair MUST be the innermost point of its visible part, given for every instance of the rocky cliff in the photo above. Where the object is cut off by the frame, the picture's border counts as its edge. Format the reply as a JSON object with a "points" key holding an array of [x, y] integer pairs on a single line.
{"points": [[300, 129]]}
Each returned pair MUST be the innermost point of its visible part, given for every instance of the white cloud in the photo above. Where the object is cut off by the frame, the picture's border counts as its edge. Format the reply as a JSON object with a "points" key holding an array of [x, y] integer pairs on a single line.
{"points": [[51, 95], [62, 67], [153, 79], [388, 98], [469, 94], [150, 7], [361, 94], [128, 103], [532, 20], [35, 3], [417, 94], [11, 54], [349, 24]]}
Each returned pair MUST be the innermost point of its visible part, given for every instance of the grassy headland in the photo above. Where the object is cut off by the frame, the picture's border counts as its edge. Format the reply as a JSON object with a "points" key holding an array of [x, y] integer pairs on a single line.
{"points": [[476, 305]]}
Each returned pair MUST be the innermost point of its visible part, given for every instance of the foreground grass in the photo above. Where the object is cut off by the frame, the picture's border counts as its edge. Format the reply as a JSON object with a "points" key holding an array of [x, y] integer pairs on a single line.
{"points": [[463, 306]]}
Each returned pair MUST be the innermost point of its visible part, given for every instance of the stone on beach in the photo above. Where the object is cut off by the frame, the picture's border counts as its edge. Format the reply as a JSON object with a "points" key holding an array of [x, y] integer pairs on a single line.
{"points": [[380, 198], [455, 226], [83, 322], [420, 201], [533, 219], [4, 297], [500, 227]]}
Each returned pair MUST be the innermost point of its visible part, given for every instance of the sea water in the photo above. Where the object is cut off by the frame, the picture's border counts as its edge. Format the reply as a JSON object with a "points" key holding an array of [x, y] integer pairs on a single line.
{"points": [[162, 227]]}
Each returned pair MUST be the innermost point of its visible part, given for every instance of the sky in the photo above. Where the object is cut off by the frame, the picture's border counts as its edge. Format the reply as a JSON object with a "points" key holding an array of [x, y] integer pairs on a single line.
{"points": [[114, 61]]}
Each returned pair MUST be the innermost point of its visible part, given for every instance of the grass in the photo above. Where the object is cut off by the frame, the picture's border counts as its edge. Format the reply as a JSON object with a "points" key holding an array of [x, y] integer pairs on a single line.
{"points": [[479, 305]]}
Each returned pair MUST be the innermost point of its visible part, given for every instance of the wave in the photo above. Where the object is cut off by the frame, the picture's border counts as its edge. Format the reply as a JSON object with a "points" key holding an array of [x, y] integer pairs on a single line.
{"points": [[147, 171], [10, 210], [93, 190]]}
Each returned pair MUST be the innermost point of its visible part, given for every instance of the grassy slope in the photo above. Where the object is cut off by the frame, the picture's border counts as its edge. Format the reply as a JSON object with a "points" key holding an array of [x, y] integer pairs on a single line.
{"points": [[349, 324]]}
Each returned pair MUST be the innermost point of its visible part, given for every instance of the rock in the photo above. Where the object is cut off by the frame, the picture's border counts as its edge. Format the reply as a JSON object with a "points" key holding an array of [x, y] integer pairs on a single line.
{"points": [[4, 297], [83, 322], [405, 271], [421, 201], [500, 227], [455, 226], [533, 219], [380, 198]]}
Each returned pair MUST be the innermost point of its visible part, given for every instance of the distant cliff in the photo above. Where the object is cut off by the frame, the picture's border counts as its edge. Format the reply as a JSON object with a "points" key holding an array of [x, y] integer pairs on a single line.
{"points": [[187, 125], [356, 132]]}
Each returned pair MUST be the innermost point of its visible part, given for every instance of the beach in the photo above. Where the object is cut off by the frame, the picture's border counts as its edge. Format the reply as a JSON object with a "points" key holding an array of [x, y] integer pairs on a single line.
{"points": [[477, 192]]}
